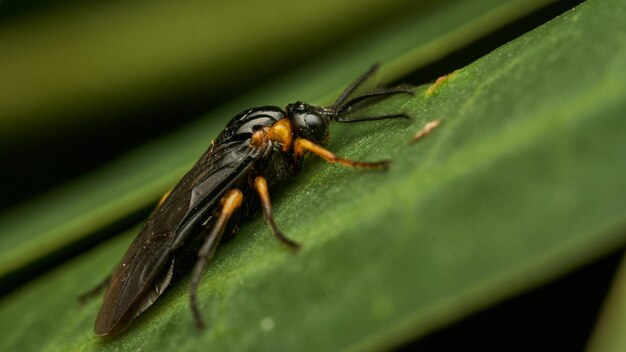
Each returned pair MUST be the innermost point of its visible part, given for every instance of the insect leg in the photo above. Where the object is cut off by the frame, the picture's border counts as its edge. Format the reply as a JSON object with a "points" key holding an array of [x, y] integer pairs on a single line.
{"points": [[230, 203], [260, 184], [92, 292], [302, 145]]}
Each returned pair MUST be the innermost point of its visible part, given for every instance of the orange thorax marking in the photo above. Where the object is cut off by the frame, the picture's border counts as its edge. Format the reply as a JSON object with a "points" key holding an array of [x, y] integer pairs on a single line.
{"points": [[281, 132]]}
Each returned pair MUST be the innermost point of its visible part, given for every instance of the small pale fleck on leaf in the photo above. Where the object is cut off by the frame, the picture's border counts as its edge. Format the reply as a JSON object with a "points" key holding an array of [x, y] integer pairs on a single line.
{"points": [[267, 324]]}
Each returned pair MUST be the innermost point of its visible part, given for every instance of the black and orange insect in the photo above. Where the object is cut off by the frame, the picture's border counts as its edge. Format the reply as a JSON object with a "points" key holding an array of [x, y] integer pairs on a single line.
{"points": [[256, 150]]}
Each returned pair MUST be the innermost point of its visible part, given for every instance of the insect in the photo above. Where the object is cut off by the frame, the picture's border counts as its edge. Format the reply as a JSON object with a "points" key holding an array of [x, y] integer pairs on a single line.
{"points": [[258, 148]]}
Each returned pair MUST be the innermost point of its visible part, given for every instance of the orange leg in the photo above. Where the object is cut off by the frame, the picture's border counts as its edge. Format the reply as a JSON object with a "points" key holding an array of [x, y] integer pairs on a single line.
{"points": [[260, 184], [230, 202], [303, 145]]}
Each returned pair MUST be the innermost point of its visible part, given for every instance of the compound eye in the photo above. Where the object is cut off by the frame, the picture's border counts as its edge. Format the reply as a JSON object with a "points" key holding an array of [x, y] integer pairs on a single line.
{"points": [[311, 126]]}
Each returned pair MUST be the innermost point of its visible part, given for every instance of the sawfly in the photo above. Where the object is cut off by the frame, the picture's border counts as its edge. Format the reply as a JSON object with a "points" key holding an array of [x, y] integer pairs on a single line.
{"points": [[256, 150]]}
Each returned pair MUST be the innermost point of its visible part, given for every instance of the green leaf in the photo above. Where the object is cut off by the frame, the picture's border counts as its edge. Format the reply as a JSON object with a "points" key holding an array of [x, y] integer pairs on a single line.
{"points": [[46, 225], [523, 181]]}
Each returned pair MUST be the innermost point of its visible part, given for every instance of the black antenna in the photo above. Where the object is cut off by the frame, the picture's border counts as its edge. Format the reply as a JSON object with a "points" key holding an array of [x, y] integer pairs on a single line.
{"points": [[368, 97], [354, 85]]}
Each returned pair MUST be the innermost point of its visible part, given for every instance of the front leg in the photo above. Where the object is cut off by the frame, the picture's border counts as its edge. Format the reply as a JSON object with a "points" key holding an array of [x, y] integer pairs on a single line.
{"points": [[303, 145], [260, 185]]}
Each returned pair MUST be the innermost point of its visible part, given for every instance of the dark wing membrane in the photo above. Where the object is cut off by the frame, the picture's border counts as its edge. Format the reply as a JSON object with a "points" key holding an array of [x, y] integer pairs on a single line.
{"points": [[133, 286], [245, 123]]}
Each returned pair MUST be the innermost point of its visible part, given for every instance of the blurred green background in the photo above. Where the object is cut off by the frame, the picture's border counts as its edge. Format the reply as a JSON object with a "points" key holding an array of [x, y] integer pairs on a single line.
{"points": [[128, 71], [104, 105]]}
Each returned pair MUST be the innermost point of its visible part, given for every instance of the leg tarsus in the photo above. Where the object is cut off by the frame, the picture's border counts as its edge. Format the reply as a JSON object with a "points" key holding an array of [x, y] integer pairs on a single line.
{"points": [[94, 291], [291, 244]]}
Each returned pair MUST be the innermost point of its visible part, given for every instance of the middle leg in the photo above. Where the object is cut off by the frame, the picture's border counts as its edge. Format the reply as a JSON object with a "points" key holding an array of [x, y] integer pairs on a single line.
{"points": [[260, 184]]}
